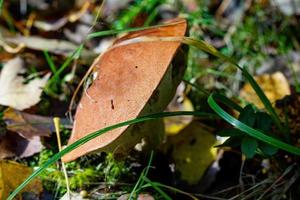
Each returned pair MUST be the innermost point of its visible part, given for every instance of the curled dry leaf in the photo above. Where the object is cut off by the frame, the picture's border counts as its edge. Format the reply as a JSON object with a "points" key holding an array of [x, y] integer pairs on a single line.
{"points": [[12, 144], [60, 47], [275, 86], [13, 91], [71, 17], [27, 125], [287, 7], [133, 79], [12, 174], [24, 136]]}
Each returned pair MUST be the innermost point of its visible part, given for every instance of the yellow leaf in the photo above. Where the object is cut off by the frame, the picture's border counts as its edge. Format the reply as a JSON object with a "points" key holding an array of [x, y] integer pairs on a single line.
{"points": [[274, 85], [12, 174], [192, 151]]}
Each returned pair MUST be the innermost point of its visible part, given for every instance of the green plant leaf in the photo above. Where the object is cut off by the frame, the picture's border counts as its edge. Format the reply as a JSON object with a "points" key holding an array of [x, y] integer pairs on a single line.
{"points": [[249, 130], [230, 132], [231, 142], [267, 149], [263, 121], [247, 116], [249, 146]]}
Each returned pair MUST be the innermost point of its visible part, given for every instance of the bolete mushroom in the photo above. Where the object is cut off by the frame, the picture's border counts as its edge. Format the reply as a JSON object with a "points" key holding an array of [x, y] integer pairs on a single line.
{"points": [[133, 79]]}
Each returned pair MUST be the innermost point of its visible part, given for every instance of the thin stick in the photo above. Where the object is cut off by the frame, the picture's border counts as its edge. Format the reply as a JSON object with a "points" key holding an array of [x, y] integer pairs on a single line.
{"points": [[287, 171], [56, 121]]}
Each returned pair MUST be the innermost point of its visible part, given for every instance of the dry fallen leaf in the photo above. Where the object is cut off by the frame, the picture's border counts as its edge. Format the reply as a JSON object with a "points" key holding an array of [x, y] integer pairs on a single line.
{"points": [[133, 79], [12, 174], [60, 47], [71, 17], [192, 151], [13, 91], [274, 85], [73, 196], [12, 144], [27, 125], [287, 7], [23, 138]]}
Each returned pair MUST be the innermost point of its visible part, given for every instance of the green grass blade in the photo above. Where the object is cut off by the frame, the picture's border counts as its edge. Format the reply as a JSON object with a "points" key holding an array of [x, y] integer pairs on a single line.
{"points": [[266, 102], [140, 181], [50, 62], [54, 79], [204, 46], [62, 68], [128, 30], [199, 89], [1, 5], [249, 130], [170, 188], [229, 102], [160, 191], [95, 134]]}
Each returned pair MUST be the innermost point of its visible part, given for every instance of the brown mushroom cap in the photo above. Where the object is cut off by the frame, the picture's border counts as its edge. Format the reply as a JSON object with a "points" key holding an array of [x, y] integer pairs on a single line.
{"points": [[127, 77]]}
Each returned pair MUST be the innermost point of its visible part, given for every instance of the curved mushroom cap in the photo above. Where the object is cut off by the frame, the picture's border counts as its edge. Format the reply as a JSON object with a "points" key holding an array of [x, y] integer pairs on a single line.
{"points": [[127, 77]]}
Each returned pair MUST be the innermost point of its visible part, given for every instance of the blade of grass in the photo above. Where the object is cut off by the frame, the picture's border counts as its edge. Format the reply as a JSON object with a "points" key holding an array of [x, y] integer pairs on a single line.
{"points": [[249, 130], [95, 134], [1, 5], [211, 50], [160, 191], [50, 61], [62, 68], [171, 189], [128, 30], [202, 90], [140, 181]]}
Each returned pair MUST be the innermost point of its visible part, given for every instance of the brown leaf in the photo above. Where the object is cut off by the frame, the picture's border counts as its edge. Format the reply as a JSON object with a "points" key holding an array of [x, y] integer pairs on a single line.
{"points": [[132, 79], [27, 125], [23, 138], [12, 144]]}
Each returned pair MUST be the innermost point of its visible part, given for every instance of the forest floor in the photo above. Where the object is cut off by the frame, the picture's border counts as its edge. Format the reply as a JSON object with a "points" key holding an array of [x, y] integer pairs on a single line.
{"points": [[224, 113]]}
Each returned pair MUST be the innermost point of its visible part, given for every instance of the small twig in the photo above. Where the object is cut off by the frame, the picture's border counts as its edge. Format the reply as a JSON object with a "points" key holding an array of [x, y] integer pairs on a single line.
{"points": [[241, 173], [287, 171], [56, 121]]}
